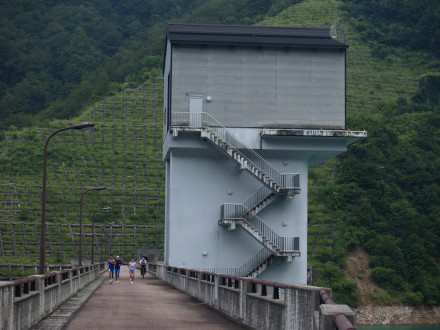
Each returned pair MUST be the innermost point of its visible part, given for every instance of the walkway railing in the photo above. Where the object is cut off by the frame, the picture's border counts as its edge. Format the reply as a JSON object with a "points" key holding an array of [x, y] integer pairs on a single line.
{"points": [[37, 296], [254, 302], [257, 303]]}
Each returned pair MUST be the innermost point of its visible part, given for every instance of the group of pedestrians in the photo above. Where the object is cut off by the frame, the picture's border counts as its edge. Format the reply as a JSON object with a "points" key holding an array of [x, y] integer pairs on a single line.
{"points": [[114, 268]]}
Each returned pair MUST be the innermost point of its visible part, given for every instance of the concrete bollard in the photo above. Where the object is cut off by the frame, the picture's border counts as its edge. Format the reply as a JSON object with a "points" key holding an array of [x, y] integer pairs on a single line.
{"points": [[7, 305], [329, 313], [39, 286]]}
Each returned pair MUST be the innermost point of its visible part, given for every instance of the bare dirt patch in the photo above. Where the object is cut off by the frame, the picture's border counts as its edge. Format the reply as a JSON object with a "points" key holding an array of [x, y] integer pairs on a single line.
{"points": [[359, 272], [367, 313]]}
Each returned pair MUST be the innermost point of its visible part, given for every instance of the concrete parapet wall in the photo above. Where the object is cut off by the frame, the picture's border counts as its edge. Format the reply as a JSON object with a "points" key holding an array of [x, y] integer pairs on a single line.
{"points": [[256, 303], [27, 301], [229, 302]]}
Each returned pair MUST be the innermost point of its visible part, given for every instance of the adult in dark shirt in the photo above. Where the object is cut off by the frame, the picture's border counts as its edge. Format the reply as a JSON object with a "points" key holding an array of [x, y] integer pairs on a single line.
{"points": [[118, 263], [111, 268]]}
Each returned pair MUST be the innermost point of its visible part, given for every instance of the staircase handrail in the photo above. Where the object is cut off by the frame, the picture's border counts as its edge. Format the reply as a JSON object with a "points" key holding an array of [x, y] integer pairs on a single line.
{"points": [[255, 261], [267, 232], [243, 270], [236, 211], [206, 120], [281, 243], [257, 197]]}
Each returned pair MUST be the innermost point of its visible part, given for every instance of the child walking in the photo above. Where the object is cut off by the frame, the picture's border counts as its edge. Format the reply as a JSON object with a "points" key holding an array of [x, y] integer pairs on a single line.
{"points": [[132, 269]]}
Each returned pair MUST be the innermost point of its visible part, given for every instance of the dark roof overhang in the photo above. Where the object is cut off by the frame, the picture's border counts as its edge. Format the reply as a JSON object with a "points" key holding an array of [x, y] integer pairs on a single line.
{"points": [[249, 35]]}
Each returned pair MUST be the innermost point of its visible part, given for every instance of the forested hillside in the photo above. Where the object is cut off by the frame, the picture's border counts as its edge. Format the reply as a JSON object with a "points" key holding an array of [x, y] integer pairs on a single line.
{"points": [[383, 195], [59, 56]]}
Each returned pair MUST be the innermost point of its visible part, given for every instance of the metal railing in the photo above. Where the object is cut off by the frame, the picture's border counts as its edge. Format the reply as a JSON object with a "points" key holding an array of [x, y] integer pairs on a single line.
{"points": [[237, 211], [290, 181], [254, 262], [258, 198], [231, 211], [243, 270], [280, 243], [206, 121]]}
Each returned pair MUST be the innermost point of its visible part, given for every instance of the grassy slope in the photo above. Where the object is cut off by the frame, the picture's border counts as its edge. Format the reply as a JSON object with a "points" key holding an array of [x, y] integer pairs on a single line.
{"points": [[123, 154]]}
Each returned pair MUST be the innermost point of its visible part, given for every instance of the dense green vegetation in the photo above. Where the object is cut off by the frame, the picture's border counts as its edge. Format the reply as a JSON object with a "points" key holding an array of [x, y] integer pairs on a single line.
{"points": [[59, 58], [389, 184], [386, 199], [383, 194], [387, 24]]}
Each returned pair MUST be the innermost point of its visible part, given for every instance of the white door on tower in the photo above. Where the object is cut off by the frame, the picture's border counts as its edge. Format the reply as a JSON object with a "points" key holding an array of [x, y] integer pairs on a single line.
{"points": [[195, 110]]}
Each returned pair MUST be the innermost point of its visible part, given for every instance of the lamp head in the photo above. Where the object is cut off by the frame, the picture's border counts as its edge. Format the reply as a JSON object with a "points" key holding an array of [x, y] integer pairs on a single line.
{"points": [[82, 126]]}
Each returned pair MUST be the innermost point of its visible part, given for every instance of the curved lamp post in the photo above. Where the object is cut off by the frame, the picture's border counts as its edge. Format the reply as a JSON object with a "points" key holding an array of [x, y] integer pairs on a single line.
{"points": [[93, 230], [80, 221], [41, 269]]}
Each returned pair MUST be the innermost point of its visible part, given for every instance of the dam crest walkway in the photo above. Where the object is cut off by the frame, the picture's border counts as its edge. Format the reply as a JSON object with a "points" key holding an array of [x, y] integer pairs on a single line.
{"points": [[148, 303]]}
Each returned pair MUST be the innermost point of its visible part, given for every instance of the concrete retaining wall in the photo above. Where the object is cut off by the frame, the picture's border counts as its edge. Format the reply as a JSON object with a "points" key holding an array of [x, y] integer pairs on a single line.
{"points": [[26, 301], [256, 303]]}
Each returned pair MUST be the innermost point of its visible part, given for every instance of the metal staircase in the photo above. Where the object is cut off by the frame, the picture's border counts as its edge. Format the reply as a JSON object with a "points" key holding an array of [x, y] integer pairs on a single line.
{"points": [[254, 266], [212, 130], [274, 182], [251, 161], [281, 246]]}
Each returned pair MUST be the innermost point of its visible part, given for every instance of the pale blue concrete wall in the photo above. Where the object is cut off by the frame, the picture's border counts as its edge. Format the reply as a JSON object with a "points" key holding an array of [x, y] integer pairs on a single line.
{"points": [[200, 181], [201, 178]]}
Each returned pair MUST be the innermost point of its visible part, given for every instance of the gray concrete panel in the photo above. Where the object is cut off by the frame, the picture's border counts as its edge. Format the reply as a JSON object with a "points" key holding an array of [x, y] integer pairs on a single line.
{"points": [[257, 86]]}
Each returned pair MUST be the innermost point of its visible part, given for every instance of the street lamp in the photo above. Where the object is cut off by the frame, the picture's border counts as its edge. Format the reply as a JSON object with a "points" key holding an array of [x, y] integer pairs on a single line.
{"points": [[80, 221], [93, 230], [41, 269]]}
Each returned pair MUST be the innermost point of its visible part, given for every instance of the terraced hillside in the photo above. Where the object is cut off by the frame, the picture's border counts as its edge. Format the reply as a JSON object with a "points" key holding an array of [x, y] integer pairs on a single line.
{"points": [[123, 153]]}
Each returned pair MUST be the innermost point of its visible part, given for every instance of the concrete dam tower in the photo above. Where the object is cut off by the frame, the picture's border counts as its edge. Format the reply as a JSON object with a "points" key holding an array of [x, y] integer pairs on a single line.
{"points": [[248, 110]]}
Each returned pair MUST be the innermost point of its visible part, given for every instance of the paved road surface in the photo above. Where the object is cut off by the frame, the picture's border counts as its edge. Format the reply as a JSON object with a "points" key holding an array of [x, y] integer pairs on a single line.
{"points": [[148, 303]]}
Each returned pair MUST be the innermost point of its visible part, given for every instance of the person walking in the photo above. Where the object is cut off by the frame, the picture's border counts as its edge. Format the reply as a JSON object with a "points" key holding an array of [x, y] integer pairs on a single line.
{"points": [[111, 268], [132, 269], [118, 263]]}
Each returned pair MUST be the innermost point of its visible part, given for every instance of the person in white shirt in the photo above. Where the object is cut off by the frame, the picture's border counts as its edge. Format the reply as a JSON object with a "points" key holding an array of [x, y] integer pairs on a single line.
{"points": [[131, 269]]}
